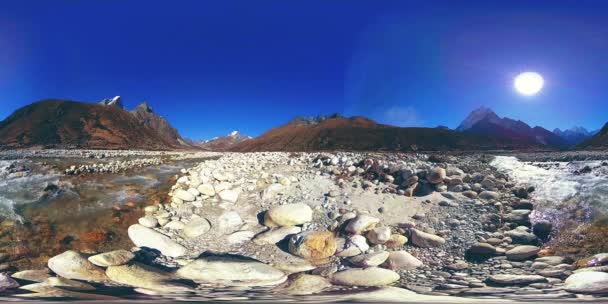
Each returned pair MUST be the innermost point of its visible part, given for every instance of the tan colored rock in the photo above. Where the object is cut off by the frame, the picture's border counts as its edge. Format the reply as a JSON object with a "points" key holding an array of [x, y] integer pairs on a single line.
{"points": [[367, 277], [144, 276], [231, 271], [402, 260], [305, 284], [73, 265], [37, 275], [379, 235], [426, 240], [396, 241], [112, 258], [313, 245]]}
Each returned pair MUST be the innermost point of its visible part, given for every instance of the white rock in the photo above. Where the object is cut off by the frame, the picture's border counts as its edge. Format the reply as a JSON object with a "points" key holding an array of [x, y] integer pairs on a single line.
{"points": [[206, 189], [184, 195], [240, 237], [196, 228], [148, 221], [379, 235], [372, 276], [587, 282], [288, 215], [229, 196], [402, 260], [229, 222], [145, 237], [231, 271]]}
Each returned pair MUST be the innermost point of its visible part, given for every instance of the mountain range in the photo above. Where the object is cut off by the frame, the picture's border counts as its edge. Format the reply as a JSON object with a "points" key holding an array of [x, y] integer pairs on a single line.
{"points": [[108, 125], [222, 143]]}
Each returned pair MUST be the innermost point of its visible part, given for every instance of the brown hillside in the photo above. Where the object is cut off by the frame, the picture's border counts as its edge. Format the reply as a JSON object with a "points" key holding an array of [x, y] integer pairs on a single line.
{"points": [[362, 134], [62, 123]]}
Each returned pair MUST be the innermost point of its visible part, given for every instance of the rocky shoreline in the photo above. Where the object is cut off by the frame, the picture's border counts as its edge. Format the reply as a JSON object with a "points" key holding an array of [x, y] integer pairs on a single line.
{"points": [[343, 225]]}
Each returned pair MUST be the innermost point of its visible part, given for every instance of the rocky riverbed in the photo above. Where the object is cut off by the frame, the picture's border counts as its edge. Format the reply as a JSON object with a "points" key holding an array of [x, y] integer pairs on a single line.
{"points": [[323, 227]]}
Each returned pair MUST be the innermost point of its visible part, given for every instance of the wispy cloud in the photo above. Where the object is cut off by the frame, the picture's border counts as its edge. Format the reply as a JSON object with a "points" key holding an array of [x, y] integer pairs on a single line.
{"points": [[402, 116]]}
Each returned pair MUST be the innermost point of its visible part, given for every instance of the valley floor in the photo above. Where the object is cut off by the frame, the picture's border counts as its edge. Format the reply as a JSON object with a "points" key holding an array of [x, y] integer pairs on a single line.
{"points": [[312, 226]]}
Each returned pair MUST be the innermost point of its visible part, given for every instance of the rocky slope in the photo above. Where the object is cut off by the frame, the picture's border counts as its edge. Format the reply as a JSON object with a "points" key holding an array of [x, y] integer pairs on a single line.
{"points": [[279, 226], [223, 143], [63, 123], [484, 121], [362, 134], [146, 116], [598, 141]]}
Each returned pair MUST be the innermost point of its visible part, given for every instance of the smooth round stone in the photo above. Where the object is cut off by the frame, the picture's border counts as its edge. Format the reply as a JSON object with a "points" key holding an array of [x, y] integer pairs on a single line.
{"points": [[401, 260], [288, 215], [587, 282], [184, 195], [148, 221], [37, 275], [144, 276], [351, 246], [145, 237], [521, 253], [196, 228], [73, 265], [206, 189], [379, 235], [7, 282], [426, 240], [68, 284], [370, 259], [361, 223], [367, 277], [112, 258], [231, 271], [305, 284]]}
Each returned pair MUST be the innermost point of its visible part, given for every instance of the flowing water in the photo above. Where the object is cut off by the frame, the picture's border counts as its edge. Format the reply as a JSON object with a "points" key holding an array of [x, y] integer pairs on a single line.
{"points": [[572, 195], [44, 212]]}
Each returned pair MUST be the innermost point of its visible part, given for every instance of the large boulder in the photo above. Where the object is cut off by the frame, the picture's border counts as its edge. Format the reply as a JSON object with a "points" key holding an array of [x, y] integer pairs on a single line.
{"points": [[73, 265], [313, 245], [145, 237], [231, 271], [587, 282], [144, 276], [367, 277], [288, 215]]}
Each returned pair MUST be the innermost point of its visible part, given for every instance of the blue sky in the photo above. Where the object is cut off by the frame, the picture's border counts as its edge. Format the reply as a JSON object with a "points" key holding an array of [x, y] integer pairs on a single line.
{"points": [[214, 66]]}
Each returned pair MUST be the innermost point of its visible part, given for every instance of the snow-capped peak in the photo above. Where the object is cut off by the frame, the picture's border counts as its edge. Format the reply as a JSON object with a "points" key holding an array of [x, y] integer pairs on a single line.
{"points": [[234, 133]]}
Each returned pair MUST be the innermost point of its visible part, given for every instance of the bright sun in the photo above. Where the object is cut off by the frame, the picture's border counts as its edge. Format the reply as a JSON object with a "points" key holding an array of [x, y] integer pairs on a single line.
{"points": [[529, 83]]}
